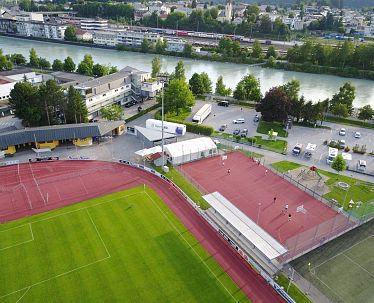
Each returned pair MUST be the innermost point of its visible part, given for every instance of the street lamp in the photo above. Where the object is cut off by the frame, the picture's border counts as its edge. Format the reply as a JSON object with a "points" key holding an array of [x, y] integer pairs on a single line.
{"points": [[162, 81]]}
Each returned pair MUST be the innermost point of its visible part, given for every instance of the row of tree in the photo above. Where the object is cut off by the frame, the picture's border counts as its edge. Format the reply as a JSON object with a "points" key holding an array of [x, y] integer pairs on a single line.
{"points": [[85, 67], [343, 55], [94, 9], [47, 104]]}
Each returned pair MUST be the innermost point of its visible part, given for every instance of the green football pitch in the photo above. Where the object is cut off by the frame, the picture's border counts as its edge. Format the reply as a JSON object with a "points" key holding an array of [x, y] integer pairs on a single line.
{"points": [[123, 247]]}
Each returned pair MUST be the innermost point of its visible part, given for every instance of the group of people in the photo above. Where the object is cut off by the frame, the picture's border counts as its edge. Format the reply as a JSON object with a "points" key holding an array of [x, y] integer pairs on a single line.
{"points": [[284, 210]]}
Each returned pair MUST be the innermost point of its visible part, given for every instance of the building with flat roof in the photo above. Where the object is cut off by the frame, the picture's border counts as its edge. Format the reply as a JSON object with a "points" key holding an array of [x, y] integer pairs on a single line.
{"points": [[129, 84], [93, 24]]}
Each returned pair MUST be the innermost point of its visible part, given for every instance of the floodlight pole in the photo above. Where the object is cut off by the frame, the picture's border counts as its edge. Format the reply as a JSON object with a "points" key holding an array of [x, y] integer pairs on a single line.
{"points": [[162, 123]]}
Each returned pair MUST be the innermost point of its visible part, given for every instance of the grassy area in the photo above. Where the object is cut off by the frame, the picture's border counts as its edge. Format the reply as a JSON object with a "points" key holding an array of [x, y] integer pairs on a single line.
{"points": [[338, 267], [181, 117], [358, 191], [293, 291], [264, 128], [278, 146], [185, 185], [123, 247], [350, 122], [284, 166]]}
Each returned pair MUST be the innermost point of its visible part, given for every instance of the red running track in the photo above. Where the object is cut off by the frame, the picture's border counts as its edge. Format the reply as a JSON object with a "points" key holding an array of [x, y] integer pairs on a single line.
{"points": [[68, 182], [248, 184]]}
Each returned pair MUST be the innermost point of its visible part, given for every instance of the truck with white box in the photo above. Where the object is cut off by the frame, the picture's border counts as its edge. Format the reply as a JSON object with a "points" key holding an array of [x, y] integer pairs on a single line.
{"points": [[169, 127], [202, 114]]}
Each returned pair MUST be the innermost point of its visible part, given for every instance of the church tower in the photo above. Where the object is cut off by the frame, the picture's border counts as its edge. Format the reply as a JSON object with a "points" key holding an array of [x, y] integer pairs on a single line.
{"points": [[228, 10]]}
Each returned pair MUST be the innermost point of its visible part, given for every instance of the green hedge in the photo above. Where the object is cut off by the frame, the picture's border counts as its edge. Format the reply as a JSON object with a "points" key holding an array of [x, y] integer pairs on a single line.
{"points": [[143, 112], [350, 122]]}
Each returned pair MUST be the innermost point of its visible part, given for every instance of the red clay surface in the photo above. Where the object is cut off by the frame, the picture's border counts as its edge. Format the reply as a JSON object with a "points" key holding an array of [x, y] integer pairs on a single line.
{"points": [[248, 184], [51, 185]]}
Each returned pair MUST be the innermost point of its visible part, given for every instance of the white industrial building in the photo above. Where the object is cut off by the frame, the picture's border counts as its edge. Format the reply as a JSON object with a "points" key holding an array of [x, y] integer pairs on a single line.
{"points": [[93, 24], [190, 150], [135, 39], [253, 243], [9, 78]]}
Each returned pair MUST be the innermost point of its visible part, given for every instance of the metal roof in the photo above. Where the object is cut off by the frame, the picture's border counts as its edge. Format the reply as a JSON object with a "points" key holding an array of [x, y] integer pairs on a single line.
{"points": [[265, 243], [57, 132], [153, 135]]}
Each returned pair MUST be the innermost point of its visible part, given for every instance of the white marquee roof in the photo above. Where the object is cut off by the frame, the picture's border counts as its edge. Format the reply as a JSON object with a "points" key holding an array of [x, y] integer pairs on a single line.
{"points": [[192, 146], [270, 247]]}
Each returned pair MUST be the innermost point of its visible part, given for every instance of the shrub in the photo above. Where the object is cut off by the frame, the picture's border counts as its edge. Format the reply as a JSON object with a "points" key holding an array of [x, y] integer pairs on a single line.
{"points": [[193, 127], [347, 149]]}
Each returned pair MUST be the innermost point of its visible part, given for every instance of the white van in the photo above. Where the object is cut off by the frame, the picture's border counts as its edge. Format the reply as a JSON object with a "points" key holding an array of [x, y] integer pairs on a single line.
{"points": [[333, 152]]}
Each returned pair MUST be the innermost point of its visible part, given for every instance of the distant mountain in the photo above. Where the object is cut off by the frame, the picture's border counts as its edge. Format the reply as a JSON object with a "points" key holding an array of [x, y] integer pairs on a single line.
{"points": [[347, 3]]}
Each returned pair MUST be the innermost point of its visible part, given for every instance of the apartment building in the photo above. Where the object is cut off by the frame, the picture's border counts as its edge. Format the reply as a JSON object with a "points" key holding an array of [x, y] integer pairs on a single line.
{"points": [[93, 24], [108, 38], [119, 88], [135, 39]]}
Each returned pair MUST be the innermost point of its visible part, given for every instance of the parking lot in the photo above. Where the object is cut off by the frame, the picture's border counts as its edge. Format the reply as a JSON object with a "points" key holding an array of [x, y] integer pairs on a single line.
{"points": [[304, 135], [225, 115]]}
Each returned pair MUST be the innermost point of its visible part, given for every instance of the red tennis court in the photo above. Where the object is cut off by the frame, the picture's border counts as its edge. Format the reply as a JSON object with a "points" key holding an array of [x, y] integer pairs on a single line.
{"points": [[252, 188], [30, 189]]}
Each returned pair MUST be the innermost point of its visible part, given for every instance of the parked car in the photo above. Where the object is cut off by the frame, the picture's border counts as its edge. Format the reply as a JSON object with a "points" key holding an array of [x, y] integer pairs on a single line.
{"points": [[129, 104], [222, 128], [223, 103], [361, 165], [244, 132], [357, 135], [238, 121], [341, 143], [256, 118], [297, 149], [342, 132], [236, 132]]}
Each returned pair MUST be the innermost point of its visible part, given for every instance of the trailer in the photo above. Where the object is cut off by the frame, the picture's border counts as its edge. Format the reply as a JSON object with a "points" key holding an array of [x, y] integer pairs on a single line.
{"points": [[169, 127], [202, 114]]}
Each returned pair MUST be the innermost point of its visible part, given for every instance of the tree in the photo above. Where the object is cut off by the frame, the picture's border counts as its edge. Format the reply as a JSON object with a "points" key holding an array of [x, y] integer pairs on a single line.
{"points": [[113, 69], [5, 63], [221, 88], [69, 65], [256, 49], [292, 90], [86, 65], [196, 84], [76, 109], [33, 58], [44, 63], [340, 110], [187, 50], [265, 25], [366, 113], [113, 112], [156, 66], [248, 89], [17, 59], [57, 65], [24, 102], [70, 33], [160, 46], [271, 52], [99, 70], [193, 4], [274, 106], [339, 164], [179, 71], [145, 45], [178, 96], [345, 96], [52, 99], [206, 82]]}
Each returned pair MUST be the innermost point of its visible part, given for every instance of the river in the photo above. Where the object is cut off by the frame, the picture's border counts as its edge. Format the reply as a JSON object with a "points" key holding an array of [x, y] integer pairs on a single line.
{"points": [[313, 87]]}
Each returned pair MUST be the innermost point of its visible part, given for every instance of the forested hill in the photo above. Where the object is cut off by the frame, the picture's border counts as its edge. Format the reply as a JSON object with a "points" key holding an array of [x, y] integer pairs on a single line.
{"points": [[346, 3]]}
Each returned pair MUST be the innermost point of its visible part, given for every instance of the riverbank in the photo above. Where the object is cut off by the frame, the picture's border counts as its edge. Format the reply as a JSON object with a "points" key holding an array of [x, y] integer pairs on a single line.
{"points": [[348, 72], [315, 87]]}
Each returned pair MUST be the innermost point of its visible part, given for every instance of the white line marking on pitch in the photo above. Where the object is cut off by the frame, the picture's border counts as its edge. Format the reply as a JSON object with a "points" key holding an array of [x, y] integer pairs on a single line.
{"points": [[363, 268], [180, 234], [27, 290], [342, 252], [97, 231], [20, 243]]}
